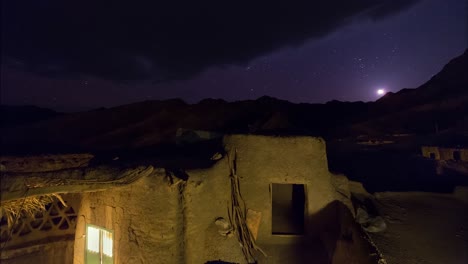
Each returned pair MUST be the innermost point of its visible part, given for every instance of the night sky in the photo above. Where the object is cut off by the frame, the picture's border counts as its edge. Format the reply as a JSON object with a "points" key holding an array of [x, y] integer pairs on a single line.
{"points": [[73, 56]]}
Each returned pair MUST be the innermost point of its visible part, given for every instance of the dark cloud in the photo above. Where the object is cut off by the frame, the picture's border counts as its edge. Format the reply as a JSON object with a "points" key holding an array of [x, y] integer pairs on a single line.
{"points": [[165, 40]]}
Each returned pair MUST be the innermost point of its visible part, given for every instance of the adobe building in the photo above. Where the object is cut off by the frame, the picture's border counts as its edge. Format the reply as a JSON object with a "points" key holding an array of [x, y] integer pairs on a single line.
{"points": [[263, 200], [445, 153]]}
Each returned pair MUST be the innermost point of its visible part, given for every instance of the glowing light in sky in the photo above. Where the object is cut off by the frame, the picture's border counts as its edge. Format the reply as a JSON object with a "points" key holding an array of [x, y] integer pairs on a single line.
{"points": [[381, 91]]}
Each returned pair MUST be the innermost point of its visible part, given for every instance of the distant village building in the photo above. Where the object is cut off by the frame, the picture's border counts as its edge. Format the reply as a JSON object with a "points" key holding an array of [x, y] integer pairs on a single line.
{"points": [[270, 199], [444, 153], [448, 159]]}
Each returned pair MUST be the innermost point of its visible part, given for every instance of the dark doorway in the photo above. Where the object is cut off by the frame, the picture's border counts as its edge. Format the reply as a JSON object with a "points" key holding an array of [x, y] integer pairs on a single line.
{"points": [[288, 208], [456, 155], [432, 155]]}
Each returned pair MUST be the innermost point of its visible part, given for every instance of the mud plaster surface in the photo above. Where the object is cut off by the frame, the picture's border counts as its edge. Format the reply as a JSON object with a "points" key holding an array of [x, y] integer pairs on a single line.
{"points": [[158, 222], [161, 219]]}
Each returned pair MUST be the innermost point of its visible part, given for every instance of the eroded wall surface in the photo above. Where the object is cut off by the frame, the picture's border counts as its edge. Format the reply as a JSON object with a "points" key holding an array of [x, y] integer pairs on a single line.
{"points": [[261, 161], [144, 217], [59, 252], [162, 219]]}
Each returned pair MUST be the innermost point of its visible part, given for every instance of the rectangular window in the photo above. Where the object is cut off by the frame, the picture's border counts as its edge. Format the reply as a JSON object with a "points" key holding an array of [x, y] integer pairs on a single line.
{"points": [[99, 245], [288, 209], [106, 243], [92, 238]]}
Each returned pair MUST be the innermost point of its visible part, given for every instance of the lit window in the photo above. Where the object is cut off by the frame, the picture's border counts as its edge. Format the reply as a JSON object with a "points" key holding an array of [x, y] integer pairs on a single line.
{"points": [[107, 243], [93, 239], [99, 245]]}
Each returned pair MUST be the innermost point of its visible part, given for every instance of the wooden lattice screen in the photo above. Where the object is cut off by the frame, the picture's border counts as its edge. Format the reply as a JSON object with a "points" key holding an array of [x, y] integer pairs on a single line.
{"points": [[57, 222]]}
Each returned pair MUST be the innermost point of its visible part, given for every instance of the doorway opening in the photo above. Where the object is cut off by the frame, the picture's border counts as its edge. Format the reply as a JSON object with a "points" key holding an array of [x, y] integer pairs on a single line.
{"points": [[288, 209]]}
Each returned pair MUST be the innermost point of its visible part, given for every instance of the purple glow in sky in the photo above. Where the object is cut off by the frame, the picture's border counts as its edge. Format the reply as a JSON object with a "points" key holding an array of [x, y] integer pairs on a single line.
{"points": [[349, 64]]}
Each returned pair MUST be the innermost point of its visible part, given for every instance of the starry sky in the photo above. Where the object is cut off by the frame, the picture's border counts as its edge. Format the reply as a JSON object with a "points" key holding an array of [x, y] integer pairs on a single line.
{"points": [[83, 56]]}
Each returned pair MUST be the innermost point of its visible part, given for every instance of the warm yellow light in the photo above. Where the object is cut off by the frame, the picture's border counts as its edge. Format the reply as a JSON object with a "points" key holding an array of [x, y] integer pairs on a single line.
{"points": [[93, 239], [107, 243]]}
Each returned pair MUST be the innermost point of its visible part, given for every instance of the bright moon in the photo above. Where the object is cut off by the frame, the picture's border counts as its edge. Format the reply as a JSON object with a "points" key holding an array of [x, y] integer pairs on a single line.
{"points": [[380, 91]]}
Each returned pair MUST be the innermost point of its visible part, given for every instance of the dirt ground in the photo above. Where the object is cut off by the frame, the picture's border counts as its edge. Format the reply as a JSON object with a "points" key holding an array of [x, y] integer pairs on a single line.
{"points": [[423, 228]]}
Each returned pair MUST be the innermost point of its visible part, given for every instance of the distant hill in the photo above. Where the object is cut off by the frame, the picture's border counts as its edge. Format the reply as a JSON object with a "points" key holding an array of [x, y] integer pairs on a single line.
{"points": [[152, 123], [441, 103], [14, 115], [450, 82]]}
